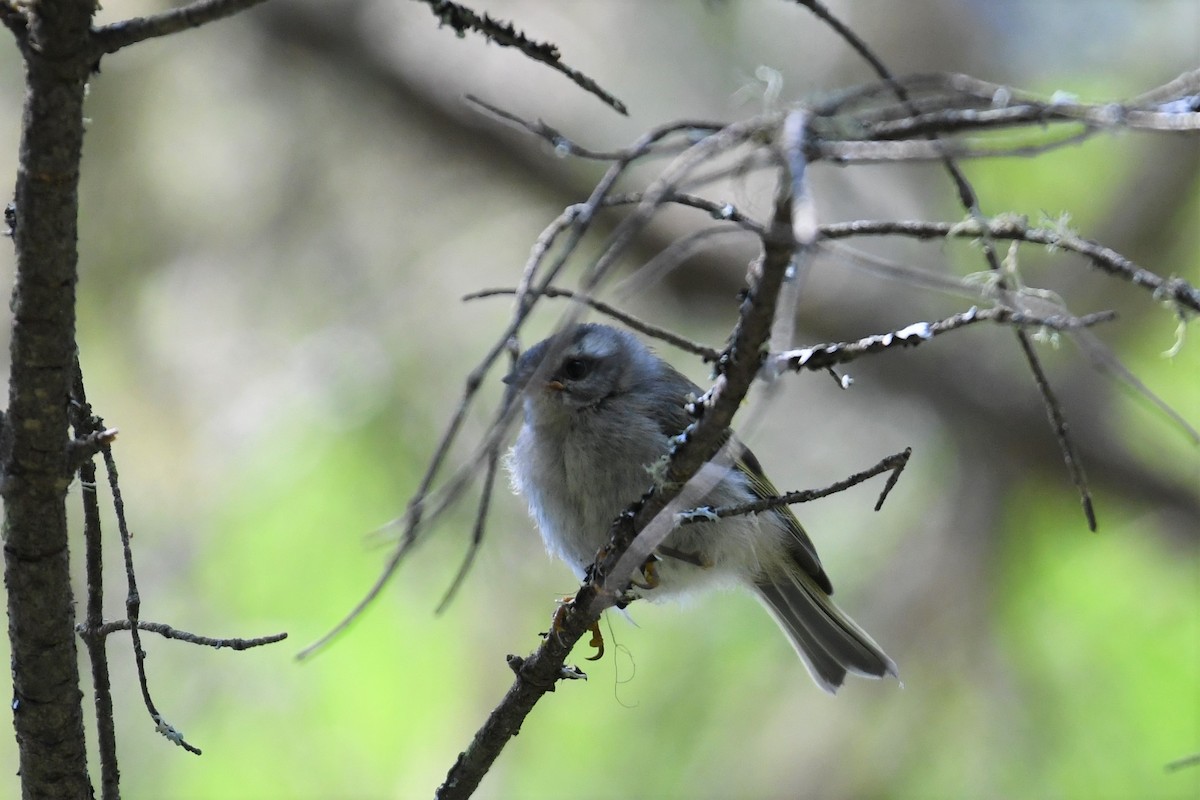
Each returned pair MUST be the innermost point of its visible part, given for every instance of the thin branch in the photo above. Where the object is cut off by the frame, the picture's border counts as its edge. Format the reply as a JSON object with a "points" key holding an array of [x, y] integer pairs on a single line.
{"points": [[1096, 352], [951, 90], [898, 462], [86, 426], [1058, 421], [1174, 290], [561, 144], [723, 211], [970, 202], [564, 146], [708, 354], [133, 604], [463, 19], [168, 632], [111, 38], [824, 356], [951, 120], [917, 150], [894, 464], [485, 501], [856, 43]]}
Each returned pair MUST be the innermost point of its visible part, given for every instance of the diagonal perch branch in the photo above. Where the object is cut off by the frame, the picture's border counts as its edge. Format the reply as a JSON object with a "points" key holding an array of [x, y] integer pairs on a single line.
{"points": [[738, 366]]}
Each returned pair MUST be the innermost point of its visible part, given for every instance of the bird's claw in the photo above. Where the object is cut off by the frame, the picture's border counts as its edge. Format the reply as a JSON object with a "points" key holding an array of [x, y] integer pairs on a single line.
{"points": [[557, 623]]}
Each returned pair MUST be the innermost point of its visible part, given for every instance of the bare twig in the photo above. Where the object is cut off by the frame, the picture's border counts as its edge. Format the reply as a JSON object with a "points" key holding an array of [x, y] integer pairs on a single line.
{"points": [[86, 426], [485, 501], [504, 34], [1058, 421], [168, 632], [894, 464], [563, 146], [717, 210], [687, 345], [915, 150], [1099, 117], [1174, 290], [970, 202], [133, 604], [111, 38], [824, 356]]}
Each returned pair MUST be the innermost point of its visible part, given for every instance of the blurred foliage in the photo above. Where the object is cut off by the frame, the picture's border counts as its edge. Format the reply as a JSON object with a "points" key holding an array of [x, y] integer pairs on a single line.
{"points": [[272, 258]]}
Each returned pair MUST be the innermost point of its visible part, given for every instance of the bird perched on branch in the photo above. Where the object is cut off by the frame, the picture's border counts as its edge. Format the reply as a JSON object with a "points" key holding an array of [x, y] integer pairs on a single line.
{"points": [[601, 410]]}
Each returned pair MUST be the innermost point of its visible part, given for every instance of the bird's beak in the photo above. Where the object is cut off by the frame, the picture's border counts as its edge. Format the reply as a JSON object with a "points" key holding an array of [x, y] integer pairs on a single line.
{"points": [[556, 386]]}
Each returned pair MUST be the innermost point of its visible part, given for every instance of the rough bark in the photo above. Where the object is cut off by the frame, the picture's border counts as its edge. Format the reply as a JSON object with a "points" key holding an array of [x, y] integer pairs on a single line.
{"points": [[47, 701]]}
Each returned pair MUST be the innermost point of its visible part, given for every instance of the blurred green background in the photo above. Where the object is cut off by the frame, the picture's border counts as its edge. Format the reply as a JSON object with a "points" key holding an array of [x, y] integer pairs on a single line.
{"points": [[279, 215]]}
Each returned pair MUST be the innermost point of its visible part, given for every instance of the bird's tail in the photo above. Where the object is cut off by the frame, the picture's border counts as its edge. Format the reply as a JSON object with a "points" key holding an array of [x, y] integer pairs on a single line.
{"points": [[829, 642]]}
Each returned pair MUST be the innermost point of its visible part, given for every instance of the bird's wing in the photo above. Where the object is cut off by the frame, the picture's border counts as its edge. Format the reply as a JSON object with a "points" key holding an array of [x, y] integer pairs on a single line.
{"points": [[801, 547]]}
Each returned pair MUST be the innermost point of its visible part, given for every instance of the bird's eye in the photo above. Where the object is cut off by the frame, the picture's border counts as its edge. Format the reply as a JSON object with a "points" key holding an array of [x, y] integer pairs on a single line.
{"points": [[576, 368]]}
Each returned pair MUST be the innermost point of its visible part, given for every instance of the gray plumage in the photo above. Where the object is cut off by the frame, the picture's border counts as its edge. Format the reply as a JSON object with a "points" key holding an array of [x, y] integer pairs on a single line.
{"points": [[600, 409]]}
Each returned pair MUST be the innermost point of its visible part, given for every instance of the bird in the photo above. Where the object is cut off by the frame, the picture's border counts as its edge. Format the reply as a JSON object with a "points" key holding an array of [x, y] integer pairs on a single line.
{"points": [[600, 412]]}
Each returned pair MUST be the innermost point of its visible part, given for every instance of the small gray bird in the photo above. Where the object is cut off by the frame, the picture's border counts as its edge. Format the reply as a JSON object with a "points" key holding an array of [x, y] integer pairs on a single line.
{"points": [[600, 411]]}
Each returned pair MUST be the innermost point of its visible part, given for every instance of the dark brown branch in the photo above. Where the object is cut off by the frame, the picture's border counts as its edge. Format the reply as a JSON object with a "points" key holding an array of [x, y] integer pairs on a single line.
{"points": [[111, 38], [894, 464], [538, 674], [1058, 422], [857, 44], [88, 426], [790, 236], [47, 708], [504, 34]]}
